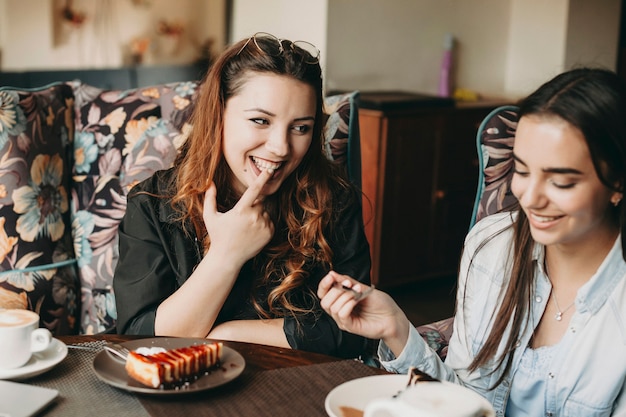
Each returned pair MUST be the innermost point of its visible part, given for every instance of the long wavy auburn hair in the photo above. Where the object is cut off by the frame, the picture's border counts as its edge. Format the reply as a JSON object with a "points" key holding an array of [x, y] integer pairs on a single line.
{"points": [[593, 101], [302, 208]]}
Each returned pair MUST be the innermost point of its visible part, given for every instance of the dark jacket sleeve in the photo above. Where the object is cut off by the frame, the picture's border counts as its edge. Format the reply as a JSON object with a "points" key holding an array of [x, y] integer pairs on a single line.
{"points": [[351, 256], [143, 276]]}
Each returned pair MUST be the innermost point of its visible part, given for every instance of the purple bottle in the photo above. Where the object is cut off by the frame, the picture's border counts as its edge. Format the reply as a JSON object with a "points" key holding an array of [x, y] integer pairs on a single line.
{"points": [[445, 76]]}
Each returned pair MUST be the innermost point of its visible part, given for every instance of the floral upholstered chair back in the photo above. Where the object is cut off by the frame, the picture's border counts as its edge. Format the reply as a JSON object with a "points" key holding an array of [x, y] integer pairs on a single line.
{"points": [[494, 142], [69, 154], [122, 137], [37, 263]]}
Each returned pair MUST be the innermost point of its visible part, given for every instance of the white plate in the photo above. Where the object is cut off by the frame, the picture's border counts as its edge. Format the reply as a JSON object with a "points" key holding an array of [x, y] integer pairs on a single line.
{"points": [[359, 392], [39, 363], [111, 370]]}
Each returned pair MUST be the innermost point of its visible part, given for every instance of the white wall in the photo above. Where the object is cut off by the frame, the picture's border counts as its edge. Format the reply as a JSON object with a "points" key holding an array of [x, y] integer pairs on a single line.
{"points": [[505, 48], [590, 33], [398, 44], [3, 26], [34, 39], [536, 44], [289, 19], [482, 29]]}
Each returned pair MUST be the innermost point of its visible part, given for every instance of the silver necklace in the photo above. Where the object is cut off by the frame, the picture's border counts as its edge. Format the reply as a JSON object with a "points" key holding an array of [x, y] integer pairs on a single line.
{"points": [[559, 313]]}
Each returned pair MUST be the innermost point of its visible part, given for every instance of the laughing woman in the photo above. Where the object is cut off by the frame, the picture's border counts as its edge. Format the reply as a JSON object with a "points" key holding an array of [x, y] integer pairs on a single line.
{"points": [[540, 324], [232, 242]]}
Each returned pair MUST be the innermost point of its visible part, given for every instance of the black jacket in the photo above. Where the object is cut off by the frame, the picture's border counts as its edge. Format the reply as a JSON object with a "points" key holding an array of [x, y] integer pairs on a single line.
{"points": [[156, 257]]}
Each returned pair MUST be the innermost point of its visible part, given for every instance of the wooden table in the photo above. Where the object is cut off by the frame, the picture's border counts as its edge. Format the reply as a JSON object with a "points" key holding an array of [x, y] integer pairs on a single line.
{"points": [[275, 382], [258, 357]]}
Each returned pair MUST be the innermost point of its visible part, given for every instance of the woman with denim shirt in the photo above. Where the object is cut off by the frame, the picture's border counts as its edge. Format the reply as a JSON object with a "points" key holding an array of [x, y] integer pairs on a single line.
{"points": [[540, 324]]}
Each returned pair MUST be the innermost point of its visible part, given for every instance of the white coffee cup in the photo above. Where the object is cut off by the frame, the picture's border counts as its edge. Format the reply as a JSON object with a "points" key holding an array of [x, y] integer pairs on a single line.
{"points": [[20, 337], [431, 399]]}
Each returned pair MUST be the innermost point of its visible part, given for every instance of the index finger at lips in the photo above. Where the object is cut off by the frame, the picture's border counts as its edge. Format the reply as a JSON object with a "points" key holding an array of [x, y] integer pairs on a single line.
{"points": [[210, 198], [254, 190], [210, 202]]}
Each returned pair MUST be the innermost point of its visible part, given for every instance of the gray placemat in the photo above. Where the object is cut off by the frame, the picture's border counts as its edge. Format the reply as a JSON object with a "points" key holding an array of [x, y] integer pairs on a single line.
{"points": [[81, 393], [268, 393], [298, 391]]}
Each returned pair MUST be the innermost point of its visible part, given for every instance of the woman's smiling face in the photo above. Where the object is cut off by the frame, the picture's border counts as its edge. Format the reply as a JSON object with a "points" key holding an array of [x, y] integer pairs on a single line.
{"points": [[557, 185], [268, 124]]}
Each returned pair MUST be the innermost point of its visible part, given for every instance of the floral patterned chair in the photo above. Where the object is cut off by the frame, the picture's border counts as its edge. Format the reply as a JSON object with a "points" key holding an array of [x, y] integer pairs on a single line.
{"points": [[36, 243], [494, 142], [69, 154]]}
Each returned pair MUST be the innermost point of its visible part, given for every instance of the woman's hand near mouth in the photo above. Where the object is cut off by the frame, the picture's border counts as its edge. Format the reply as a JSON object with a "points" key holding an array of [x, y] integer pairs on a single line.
{"points": [[240, 233], [236, 236]]}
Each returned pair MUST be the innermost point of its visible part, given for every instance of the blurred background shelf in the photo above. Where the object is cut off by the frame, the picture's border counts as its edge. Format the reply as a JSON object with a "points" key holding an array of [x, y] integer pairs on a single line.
{"points": [[111, 78]]}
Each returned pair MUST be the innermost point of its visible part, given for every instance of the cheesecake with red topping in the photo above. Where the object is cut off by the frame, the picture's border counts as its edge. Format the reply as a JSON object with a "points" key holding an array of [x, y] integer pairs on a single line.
{"points": [[173, 367]]}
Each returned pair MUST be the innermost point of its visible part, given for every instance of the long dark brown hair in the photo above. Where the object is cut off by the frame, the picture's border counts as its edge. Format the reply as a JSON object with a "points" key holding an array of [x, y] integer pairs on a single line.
{"points": [[301, 209], [593, 101]]}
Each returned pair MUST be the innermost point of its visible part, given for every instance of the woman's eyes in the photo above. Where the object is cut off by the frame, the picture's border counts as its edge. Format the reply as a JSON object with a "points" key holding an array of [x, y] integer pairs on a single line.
{"points": [[558, 184], [561, 185], [300, 129], [520, 172]]}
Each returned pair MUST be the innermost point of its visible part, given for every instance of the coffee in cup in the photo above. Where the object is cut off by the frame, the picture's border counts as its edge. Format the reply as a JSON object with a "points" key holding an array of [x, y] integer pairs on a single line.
{"points": [[432, 399], [20, 337]]}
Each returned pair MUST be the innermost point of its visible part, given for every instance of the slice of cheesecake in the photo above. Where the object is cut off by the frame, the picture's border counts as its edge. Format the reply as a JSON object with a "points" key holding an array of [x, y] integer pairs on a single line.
{"points": [[173, 367]]}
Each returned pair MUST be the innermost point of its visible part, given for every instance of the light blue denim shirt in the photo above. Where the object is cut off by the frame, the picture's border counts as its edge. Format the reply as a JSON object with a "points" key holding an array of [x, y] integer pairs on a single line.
{"points": [[587, 372]]}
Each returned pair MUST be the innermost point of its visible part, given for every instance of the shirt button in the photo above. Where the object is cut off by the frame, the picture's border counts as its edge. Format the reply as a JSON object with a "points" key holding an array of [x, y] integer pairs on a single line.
{"points": [[505, 383], [550, 375], [538, 299]]}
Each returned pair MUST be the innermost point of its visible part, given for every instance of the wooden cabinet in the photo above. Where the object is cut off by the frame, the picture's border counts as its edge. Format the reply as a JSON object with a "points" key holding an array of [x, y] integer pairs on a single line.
{"points": [[419, 178]]}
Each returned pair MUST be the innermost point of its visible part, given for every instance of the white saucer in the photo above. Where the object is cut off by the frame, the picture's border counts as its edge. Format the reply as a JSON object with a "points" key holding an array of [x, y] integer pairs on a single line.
{"points": [[39, 363], [359, 392]]}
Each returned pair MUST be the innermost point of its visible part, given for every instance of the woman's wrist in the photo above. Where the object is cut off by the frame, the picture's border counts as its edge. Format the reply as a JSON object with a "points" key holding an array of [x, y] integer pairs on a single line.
{"points": [[398, 334], [226, 262]]}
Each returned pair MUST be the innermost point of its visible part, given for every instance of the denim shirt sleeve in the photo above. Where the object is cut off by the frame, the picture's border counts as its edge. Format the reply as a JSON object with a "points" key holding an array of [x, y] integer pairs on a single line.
{"points": [[415, 348], [471, 296], [418, 354]]}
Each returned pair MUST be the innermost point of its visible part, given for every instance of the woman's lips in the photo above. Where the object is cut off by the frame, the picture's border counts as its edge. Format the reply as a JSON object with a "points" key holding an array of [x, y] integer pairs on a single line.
{"points": [[259, 164], [543, 222], [257, 169], [265, 163]]}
